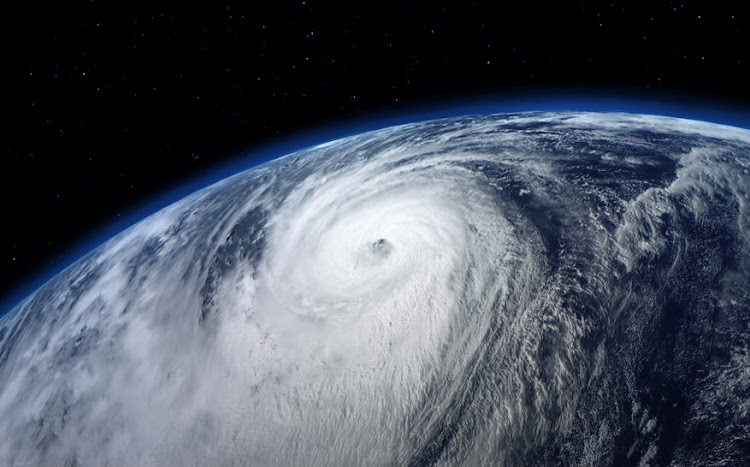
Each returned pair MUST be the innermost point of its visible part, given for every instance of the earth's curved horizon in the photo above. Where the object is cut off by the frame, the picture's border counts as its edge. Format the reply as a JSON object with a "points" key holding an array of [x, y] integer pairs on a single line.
{"points": [[526, 288]]}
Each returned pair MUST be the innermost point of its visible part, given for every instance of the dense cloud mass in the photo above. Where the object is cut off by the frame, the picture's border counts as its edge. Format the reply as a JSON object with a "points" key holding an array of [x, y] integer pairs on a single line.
{"points": [[505, 289]]}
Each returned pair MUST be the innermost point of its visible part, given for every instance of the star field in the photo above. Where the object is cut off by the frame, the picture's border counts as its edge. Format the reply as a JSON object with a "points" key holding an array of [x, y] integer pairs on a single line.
{"points": [[111, 103]]}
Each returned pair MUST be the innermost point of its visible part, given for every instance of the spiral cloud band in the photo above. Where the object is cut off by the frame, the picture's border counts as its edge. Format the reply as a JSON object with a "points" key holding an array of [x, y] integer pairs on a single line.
{"points": [[506, 289]]}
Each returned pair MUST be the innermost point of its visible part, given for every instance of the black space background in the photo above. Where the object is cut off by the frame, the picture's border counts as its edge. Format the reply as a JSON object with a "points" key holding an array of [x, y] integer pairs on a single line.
{"points": [[108, 103]]}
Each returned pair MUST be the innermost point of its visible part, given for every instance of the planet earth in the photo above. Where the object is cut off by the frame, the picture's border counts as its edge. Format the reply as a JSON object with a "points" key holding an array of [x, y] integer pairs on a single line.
{"points": [[546, 288]]}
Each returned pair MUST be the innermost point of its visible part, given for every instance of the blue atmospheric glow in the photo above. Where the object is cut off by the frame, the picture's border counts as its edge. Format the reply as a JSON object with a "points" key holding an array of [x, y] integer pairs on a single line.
{"points": [[673, 105]]}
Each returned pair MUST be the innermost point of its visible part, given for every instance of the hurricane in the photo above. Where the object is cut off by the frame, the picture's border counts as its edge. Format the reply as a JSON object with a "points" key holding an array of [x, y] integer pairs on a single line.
{"points": [[565, 288]]}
